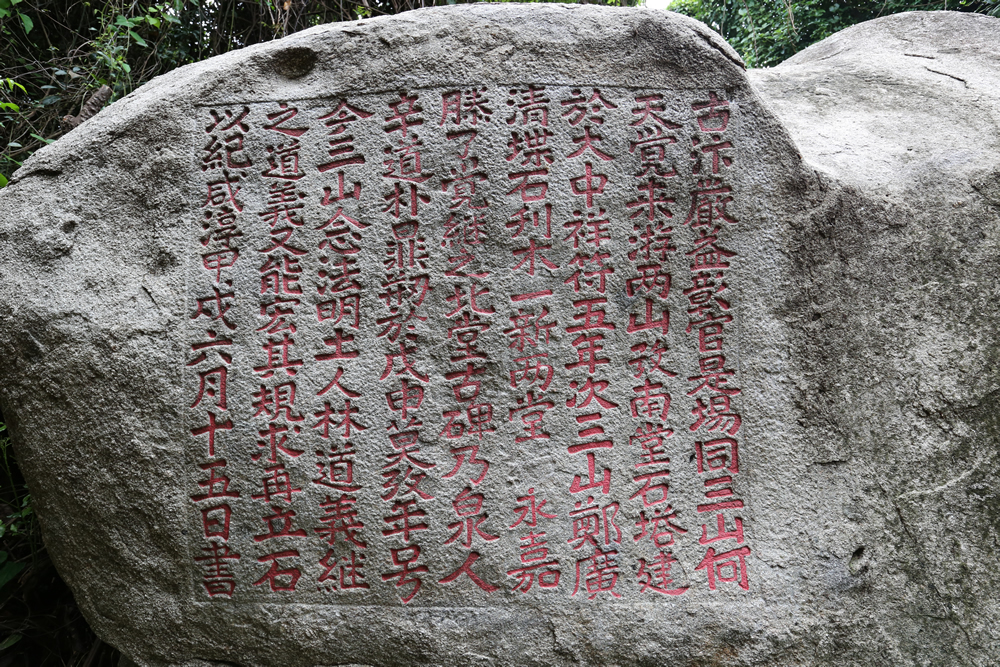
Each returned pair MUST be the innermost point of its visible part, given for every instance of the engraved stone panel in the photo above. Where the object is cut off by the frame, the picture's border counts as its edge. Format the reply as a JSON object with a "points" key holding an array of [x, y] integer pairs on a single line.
{"points": [[458, 300]]}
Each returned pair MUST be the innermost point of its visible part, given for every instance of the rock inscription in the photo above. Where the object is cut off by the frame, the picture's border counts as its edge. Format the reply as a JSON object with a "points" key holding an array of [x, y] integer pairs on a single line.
{"points": [[471, 341]]}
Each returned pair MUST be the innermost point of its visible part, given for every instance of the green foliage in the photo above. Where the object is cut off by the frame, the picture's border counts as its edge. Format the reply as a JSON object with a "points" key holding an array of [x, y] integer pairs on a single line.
{"points": [[766, 32], [54, 54], [8, 8], [18, 518]]}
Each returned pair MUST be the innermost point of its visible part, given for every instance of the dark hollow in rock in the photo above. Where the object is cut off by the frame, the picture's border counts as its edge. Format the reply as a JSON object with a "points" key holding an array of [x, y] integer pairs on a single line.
{"points": [[294, 62]]}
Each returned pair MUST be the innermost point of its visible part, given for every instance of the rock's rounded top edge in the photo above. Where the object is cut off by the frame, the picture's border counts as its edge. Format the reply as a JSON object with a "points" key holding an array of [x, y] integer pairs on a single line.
{"points": [[939, 31], [630, 46], [515, 12]]}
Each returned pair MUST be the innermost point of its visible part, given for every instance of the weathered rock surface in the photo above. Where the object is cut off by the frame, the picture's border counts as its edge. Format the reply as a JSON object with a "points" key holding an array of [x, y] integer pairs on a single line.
{"points": [[856, 324], [895, 317]]}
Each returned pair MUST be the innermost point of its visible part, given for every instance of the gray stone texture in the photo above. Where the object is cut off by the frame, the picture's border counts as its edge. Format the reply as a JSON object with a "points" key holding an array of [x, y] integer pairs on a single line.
{"points": [[893, 322], [863, 177]]}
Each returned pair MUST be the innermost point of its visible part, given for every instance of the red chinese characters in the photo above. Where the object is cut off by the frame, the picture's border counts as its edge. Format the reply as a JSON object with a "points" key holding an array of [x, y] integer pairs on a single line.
{"points": [[339, 288], [278, 419], [224, 163], [718, 463], [655, 575], [341, 523], [468, 313], [538, 564], [595, 534], [468, 318], [339, 284], [648, 288], [520, 250], [529, 154], [710, 315], [405, 285]]}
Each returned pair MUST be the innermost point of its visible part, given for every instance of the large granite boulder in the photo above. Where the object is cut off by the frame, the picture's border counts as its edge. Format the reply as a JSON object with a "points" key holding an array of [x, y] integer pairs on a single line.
{"points": [[521, 336], [895, 321]]}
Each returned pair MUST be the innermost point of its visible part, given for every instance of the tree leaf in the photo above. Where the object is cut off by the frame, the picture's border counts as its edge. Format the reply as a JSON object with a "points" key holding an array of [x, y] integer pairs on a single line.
{"points": [[138, 40], [8, 571], [3, 181], [28, 25], [10, 641]]}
